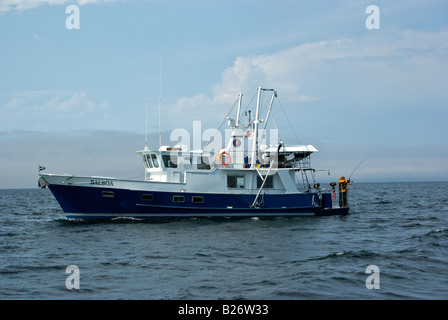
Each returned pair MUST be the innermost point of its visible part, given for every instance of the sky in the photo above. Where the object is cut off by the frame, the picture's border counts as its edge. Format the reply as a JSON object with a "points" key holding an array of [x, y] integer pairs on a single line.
{"points": [[75, 99]]}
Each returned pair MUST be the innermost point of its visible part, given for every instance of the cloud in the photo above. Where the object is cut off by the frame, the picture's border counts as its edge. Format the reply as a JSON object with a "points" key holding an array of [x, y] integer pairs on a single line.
{"points": [[399, 52], [78, 104], [43, 110], [391, 71], [18, 5]]}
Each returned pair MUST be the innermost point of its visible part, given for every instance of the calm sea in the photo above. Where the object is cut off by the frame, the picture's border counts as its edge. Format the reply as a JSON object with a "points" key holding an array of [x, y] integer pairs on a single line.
{"points": [[399, 228]]}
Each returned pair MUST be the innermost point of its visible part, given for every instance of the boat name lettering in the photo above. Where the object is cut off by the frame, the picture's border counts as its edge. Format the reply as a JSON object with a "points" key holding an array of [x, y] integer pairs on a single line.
{"points": [[107, 183]]}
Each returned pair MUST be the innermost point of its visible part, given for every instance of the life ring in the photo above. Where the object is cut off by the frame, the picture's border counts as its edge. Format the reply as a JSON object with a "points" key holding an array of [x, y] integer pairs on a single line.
{"points": [[223, 158]]}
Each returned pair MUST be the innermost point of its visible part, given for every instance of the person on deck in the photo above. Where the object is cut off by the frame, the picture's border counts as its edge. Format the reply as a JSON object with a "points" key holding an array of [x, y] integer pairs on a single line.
{"points": [[342, 184]]}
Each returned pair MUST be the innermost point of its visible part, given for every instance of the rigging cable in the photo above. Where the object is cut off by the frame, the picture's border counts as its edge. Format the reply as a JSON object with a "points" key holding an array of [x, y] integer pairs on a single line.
{"points": [[222, 122], [289, 122]]}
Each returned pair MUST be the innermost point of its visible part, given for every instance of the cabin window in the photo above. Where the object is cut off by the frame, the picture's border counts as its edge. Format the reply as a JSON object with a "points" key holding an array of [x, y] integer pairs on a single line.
{"points": [[269, 184], [147, 159], [178, 199], [197, 199], [155, 161], [235, 182], [170, 161], [108, 194], [147, 197]]}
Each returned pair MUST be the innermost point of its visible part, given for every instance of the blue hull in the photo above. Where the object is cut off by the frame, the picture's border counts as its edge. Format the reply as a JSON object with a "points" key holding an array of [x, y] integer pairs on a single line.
{"points": [[107, 203]]}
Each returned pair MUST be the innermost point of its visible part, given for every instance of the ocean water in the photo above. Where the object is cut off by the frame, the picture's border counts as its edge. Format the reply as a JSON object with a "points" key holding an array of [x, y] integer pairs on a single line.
{"points": [[401, 228]]}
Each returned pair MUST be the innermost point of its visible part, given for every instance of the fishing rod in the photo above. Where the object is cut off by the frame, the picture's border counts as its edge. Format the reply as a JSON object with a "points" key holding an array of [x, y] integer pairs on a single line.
{"points": [[357, 167]]}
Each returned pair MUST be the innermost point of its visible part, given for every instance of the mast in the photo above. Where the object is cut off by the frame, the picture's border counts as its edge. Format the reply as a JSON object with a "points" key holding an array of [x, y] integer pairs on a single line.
{"points": [[160, 103], [255, 133], [240, 98]]}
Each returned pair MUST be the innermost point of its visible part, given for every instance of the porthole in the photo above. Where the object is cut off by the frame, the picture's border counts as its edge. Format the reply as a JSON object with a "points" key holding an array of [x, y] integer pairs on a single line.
{"points": [[147, 197], [108, 194], [197, 199], [178, 199]]}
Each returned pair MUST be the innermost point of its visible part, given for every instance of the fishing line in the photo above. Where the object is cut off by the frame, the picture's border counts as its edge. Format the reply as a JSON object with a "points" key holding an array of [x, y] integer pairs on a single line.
{"points": [[359, 164]]}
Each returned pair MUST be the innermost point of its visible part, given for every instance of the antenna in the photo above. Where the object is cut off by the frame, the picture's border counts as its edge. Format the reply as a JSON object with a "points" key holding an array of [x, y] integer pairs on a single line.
{"points": [[160, 103], [146, 132]]}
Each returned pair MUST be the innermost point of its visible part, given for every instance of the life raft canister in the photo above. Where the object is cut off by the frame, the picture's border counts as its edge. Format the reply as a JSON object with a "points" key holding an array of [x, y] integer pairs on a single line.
{"points": [[223, 157]]}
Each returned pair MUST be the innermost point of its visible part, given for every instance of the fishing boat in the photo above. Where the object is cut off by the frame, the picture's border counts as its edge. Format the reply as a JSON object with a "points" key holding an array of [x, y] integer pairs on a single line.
{"points": [[246, 177]]}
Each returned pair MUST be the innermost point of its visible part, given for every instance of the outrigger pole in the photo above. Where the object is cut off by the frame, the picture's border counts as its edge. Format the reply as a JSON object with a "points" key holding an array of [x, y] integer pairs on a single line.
{"points": [[257, 121]]}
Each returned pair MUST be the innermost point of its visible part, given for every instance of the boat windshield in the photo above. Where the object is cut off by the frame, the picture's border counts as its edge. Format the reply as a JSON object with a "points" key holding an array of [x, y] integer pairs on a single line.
{"points": [[150, 161], [154, 160]]}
